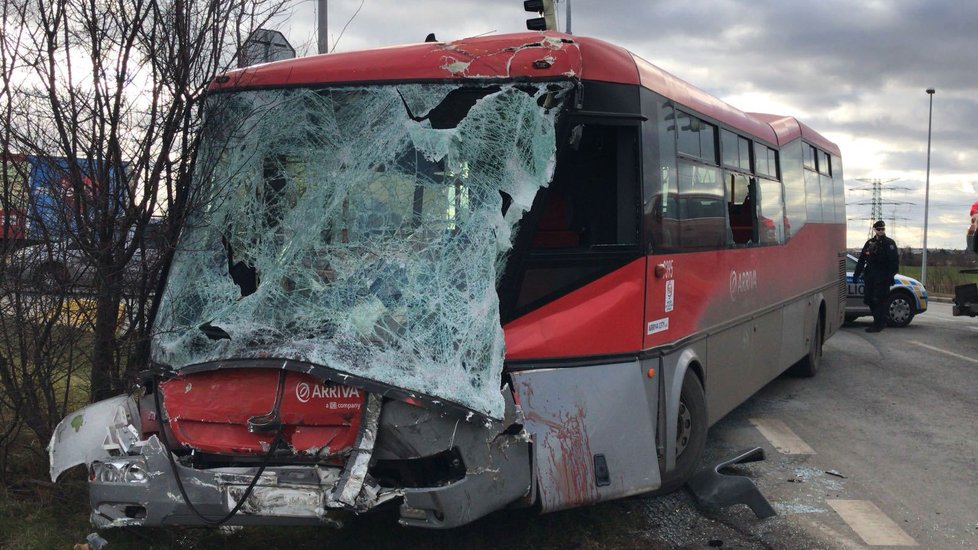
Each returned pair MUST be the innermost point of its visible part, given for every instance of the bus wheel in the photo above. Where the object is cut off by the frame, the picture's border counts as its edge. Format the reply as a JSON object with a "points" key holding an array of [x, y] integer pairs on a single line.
{"points": [[690, 434], [808, 365]]}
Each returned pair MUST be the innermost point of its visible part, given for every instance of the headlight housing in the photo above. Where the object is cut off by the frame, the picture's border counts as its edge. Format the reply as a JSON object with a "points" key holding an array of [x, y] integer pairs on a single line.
{"points": [[119, 471]]}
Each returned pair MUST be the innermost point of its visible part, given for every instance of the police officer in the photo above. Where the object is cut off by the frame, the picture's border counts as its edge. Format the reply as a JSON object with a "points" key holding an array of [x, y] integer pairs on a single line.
{"points": [[879, 262]]}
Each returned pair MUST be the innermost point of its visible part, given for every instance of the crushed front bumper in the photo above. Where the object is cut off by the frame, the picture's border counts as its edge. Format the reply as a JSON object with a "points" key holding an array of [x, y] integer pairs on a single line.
{"points": [[134, 482]]}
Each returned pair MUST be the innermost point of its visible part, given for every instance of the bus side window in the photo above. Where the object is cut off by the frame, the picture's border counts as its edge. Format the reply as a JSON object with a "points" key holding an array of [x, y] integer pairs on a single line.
{"points": [[741, 208], [589, 216], [556, 227], [702, 215]]}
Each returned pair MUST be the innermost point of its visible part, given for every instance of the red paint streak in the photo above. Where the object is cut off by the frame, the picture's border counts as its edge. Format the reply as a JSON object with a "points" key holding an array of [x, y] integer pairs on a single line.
{"points": [[566, 448], [575, 481]]}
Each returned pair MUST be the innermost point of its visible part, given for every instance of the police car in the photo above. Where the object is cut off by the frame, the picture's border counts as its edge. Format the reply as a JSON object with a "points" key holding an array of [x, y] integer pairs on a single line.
{"points": [[908, 297]]}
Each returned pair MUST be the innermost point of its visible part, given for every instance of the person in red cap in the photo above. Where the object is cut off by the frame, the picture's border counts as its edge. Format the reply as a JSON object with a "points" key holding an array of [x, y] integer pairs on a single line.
{"points": [[879, 261]]}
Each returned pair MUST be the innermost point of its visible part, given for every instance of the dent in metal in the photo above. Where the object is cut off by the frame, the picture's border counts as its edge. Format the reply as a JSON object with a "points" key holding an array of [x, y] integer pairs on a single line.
{"points": [[575, 414], [495, 454], [95, 431]]}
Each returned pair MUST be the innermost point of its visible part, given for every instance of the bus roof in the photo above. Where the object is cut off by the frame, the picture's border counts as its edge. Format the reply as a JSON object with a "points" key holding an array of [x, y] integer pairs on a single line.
{"points": [[528, 55]]}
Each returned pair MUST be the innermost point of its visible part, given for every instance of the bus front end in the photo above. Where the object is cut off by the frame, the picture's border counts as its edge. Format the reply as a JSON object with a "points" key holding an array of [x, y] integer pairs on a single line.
{"points": [[329, 337]]}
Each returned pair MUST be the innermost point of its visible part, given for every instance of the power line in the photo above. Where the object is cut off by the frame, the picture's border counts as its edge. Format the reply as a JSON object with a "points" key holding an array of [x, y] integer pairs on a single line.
{"points": [[876, 202]]}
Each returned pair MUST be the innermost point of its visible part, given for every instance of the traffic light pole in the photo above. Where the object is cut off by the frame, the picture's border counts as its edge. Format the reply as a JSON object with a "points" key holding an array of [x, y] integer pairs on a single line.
{"points": [[545, 8], [321, 30]]}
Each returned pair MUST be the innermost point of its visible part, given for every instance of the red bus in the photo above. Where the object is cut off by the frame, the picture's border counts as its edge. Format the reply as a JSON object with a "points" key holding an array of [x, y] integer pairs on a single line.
{"points": [[518, 270]]}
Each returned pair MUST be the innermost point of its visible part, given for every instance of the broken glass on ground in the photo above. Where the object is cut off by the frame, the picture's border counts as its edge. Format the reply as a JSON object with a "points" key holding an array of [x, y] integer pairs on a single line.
{"points": [[363, 229]]}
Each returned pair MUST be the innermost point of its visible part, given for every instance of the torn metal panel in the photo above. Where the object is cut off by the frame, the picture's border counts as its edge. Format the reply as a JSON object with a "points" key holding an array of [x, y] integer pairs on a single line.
{"points": [[360, 228], [92, 432], [607, 453], [494, 457], [277, 501], [354, 476]]}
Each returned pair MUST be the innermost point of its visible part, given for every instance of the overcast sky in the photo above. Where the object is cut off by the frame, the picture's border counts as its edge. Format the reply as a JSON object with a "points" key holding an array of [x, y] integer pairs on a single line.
{"points": [[854, 70]]}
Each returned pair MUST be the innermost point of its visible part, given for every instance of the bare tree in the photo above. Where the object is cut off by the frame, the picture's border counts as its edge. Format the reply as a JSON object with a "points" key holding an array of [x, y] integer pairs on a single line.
{"points": [[103, 97]]}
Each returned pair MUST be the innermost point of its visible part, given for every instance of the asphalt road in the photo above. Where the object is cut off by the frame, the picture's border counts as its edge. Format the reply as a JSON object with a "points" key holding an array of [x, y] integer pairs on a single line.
{"points": [[879, 449]]}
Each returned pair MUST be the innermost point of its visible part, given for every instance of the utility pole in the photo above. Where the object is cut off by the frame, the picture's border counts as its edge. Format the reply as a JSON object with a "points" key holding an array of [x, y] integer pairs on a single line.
{"points": [[322, 28], [568, 8], [930, 118]]}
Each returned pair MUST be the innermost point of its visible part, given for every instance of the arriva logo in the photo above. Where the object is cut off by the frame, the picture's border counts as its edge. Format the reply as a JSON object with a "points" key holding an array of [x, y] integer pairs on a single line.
{"points": [[304, 392], [742, 282]]}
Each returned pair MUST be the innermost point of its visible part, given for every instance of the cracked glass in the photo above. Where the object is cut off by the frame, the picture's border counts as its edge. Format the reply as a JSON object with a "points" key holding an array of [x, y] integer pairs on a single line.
{"points": [[360, 228]]}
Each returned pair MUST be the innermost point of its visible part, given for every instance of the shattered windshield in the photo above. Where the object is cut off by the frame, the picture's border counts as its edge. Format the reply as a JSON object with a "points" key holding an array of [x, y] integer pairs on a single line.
{"points": [[363, 229]]}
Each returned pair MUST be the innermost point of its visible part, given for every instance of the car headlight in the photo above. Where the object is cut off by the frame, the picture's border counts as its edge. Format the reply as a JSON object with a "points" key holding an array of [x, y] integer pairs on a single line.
{"points": [[134, 473], [107, 472], [119, 471]]}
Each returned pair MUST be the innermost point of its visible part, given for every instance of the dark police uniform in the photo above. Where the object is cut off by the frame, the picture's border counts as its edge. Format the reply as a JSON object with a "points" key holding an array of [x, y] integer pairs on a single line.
{"points": [[878, 263]]}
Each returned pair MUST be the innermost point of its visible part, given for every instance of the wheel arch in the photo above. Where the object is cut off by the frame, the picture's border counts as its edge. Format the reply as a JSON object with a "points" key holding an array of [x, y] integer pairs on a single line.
{"points": [[906, 292], [688, 360]]}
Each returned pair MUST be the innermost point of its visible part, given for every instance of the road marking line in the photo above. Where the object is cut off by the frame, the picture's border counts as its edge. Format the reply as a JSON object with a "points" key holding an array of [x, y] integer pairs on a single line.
{"points": [[781, 436], [945, 352], [870, 523]]}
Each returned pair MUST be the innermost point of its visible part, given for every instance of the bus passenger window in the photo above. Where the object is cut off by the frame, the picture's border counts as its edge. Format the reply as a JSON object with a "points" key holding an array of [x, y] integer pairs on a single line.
{"points": [[771, 229], [741, 208], [702, 216], [697, 138]]}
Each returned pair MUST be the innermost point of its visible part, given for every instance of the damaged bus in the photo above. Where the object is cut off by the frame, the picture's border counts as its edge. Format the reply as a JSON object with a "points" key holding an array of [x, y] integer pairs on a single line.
{"points": [[524, 270]]}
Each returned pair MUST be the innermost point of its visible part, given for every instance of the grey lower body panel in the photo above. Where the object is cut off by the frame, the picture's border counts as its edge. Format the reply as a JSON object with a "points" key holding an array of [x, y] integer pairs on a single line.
{"points": [[594, 431]]}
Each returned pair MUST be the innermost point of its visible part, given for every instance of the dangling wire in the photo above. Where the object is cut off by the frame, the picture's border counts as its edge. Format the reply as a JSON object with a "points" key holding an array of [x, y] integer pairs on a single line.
{"points": [[268, 456]]}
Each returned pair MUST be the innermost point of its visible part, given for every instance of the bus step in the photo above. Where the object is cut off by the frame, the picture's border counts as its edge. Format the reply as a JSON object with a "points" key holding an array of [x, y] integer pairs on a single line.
{"points": [[714, 490]]}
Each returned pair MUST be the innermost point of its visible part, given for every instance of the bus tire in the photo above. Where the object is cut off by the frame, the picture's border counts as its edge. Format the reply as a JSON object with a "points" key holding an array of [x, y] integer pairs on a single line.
{"points": [[808, 365], [690, 435]]}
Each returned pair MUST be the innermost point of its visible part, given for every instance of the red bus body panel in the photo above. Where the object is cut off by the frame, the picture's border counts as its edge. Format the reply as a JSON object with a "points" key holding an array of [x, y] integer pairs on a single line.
{"points": [[615, 315], [709, 288], [530, 55], [601, 318], [209, 411]]}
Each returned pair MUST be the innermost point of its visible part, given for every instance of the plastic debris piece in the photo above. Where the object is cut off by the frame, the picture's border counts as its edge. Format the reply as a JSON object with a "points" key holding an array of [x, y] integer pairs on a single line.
{"points": [[95, 542]]}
